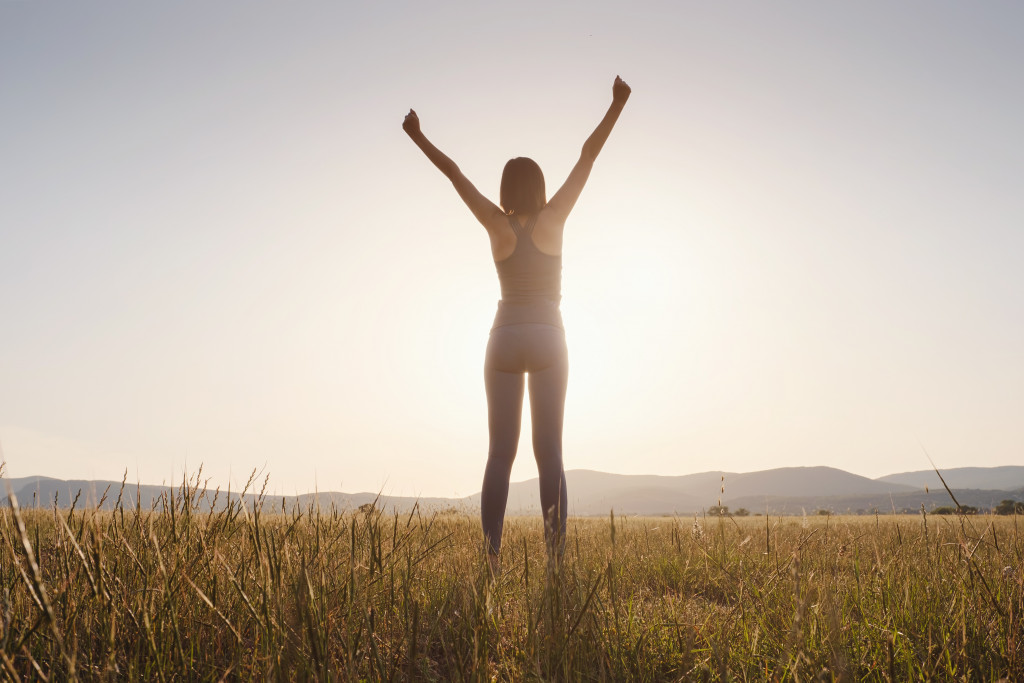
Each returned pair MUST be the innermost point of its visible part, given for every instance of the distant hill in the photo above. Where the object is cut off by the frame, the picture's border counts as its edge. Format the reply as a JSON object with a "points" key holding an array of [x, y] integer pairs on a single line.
{"points": [[1005, 478], [595, 493], [786, 490], [904, 502], [45, 491]]}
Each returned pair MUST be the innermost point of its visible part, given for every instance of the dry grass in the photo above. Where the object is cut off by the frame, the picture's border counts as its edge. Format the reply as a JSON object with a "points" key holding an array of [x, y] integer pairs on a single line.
{"points": [[175, 594]]}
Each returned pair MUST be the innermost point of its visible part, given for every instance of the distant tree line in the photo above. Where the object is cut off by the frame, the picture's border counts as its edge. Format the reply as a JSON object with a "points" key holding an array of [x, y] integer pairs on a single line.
{"points": [[959, 510], [723, 511], [1006, 507], [1009, 507]]}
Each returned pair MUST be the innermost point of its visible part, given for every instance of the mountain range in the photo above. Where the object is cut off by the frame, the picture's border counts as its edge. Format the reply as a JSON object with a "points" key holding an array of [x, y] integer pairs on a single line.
{"points": [[784, 490]]}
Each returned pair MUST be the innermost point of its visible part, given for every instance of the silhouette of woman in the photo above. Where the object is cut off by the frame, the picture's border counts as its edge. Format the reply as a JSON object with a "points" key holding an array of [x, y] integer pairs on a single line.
{"points": [[527, 337]]}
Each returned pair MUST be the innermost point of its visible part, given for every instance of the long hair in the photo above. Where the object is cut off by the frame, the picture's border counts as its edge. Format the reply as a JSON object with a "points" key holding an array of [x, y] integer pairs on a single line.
{"points": [[522, 187]]}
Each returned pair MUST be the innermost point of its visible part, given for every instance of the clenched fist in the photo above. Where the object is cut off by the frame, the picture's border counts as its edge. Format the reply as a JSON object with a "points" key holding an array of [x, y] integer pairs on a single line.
{"points": [[411, 124], [620, 90]]}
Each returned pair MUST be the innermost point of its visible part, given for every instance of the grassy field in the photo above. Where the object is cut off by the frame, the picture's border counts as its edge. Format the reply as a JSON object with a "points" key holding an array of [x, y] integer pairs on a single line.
{"points": [[175, 594]]}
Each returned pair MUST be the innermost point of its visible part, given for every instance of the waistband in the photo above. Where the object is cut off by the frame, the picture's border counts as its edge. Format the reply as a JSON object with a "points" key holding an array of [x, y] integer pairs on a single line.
{"points": [[542, 311]]}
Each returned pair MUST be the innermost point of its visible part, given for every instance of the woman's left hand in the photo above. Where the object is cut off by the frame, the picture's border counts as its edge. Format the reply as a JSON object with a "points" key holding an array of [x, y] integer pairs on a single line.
{"points": [[411, 124]]}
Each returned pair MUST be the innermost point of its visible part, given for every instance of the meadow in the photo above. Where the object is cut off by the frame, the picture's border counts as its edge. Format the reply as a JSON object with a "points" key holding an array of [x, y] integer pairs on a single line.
{"points": [[180, 593]]}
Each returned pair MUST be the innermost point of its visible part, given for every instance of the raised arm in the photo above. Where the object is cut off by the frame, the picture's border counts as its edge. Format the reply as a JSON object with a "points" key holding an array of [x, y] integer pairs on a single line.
{"points": [[563, 201], [484, 209]]}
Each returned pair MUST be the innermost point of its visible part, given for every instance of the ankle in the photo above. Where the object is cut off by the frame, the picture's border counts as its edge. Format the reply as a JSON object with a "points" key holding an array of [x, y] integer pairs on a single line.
{"points": [[494, 563]]}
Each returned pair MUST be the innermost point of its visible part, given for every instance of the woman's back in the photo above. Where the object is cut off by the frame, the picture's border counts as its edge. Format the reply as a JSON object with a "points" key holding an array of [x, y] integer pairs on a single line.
{"points": [[531, 280]]}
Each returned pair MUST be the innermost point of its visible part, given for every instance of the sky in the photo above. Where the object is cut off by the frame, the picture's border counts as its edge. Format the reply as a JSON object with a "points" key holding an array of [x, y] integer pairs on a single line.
{"points": [[801, 244]]}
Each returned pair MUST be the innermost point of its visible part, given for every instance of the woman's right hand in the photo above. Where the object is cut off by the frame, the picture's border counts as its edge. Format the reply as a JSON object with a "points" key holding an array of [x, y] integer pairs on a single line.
{"points": [[620, 91], [411, 124]]}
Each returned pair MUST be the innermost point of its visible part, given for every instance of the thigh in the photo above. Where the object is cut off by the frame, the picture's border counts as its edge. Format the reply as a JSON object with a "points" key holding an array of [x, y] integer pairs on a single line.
{"points": [[548, 365], [547, 406], [505, 382], [504, 406]]}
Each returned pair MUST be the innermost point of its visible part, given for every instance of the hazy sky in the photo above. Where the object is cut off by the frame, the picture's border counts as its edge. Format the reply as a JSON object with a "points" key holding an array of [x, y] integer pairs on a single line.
{"points": [[801, 245]]}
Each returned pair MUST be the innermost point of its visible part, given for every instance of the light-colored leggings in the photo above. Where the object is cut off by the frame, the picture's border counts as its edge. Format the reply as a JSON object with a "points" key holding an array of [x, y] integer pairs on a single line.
{"points": [[513, 353]]}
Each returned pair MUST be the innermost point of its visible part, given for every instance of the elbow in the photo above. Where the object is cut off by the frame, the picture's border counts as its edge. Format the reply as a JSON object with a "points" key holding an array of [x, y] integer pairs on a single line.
{"points": [[589, 152], [451, 170]]}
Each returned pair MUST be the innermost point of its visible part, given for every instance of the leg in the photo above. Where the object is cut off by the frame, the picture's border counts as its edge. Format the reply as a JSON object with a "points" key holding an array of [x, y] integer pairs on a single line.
{"points": [[504, 419], [547, 409]]}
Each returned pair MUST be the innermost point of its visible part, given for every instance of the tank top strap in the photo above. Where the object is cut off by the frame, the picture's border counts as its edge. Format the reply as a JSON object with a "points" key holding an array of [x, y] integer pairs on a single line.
{"points": [[518, 228]]}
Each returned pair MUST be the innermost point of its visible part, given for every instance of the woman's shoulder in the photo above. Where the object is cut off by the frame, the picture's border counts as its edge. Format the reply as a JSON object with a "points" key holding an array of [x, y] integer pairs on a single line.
{"points": [[547, 232], [549, 219]]}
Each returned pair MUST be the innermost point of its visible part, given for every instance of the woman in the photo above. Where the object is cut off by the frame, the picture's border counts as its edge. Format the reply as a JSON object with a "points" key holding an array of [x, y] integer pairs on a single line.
{"points": [[527, 337]]}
